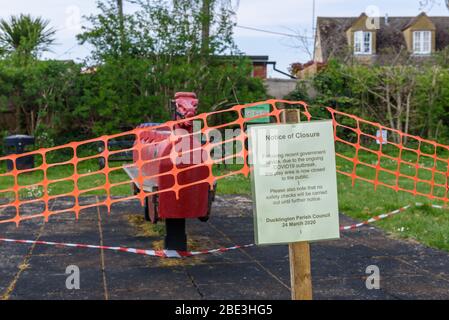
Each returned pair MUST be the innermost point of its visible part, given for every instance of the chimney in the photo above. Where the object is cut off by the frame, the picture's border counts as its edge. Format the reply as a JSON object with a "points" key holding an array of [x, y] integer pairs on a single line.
{"points": [[387, 22]]}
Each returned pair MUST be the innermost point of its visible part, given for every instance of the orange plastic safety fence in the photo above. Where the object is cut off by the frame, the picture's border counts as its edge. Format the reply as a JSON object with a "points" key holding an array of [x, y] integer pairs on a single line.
{"points": [[68, 172], [403, 162], [394, 159]]}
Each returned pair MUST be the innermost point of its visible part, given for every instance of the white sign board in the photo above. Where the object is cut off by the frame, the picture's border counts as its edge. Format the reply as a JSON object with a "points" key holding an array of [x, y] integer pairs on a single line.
{"points": [[383, 134], [294, 182]]}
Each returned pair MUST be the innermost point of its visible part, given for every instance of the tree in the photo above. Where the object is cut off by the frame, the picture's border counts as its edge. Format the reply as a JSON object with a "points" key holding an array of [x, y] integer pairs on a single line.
{"points": [[26, 36], [160, 27], [206, 23], [163, 52], [431, 95], [42, 94], [407, 95], [22, 39], [429, 4]]}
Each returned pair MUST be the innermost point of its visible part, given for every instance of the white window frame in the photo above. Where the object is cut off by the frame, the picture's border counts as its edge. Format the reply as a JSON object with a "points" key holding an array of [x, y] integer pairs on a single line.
{"points": [[363, 42], [422, 42]]}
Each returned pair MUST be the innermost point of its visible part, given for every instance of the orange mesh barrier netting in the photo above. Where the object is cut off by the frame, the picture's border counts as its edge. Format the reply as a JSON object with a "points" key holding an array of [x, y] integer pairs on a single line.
{"points": [[397, 161], [68, 171], [72, 171]]}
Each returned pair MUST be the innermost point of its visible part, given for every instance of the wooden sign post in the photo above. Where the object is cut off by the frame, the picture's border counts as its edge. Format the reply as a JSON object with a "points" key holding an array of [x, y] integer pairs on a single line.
{"points": [[300, 271], [294, 187], [300, 268]]}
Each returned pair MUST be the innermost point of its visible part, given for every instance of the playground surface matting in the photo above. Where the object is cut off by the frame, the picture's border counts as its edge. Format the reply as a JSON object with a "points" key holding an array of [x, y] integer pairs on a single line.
{"points": [[408, 270]]}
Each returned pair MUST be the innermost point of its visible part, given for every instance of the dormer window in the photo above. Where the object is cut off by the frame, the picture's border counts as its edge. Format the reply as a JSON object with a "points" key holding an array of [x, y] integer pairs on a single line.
{"points": [[363, 42], [422, 42]]}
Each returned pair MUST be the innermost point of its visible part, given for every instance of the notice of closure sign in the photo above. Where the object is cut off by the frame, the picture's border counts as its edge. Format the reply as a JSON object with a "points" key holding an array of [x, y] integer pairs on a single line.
{"points": [[294, 182]]}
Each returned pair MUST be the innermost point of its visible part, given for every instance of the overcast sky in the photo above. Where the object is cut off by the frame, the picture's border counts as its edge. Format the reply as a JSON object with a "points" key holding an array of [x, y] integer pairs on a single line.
{"points": [[283, 16]]}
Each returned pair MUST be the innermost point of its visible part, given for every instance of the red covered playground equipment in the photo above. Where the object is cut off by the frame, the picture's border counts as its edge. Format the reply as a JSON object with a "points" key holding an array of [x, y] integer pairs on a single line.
{"points": [[160, 155]]}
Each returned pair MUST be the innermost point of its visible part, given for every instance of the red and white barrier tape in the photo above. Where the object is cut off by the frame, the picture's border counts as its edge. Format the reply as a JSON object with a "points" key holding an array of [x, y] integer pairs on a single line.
{"points": [[183, 254], [384, 216], [374, 219], [152, 253]]}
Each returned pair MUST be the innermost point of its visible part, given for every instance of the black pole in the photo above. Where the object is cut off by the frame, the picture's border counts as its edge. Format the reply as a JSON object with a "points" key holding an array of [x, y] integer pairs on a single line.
{"points": [[121, 25], [175, 236], [205, 26]]}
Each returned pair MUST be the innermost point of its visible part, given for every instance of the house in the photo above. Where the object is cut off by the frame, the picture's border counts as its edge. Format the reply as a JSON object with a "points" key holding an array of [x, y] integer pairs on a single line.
{"points": [[260, 66], [371, 40]]}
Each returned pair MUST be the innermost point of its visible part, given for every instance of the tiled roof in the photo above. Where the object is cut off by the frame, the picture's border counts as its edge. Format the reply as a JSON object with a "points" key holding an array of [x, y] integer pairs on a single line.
{"points": [[334, 41]]}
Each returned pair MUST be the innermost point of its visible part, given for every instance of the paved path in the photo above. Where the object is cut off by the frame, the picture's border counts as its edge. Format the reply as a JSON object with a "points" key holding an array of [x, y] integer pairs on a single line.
{"points": [[408, 270]]}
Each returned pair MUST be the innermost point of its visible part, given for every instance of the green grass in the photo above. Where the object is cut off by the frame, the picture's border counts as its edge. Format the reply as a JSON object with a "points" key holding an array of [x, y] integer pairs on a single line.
{"points": [[234, 184], [424, 224]]}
